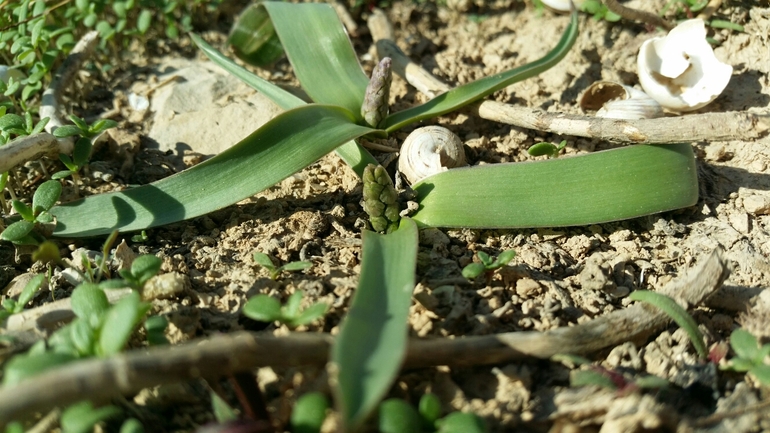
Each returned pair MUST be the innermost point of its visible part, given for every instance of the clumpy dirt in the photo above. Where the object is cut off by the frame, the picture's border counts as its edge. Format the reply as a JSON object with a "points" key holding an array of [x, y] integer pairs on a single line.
{"points": [[560, 277]]}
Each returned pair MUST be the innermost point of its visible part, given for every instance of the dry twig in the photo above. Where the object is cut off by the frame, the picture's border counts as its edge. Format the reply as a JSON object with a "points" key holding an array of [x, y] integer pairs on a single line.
{"points": [[33, 147], [637, 15], [688, 128], [101, 379]]}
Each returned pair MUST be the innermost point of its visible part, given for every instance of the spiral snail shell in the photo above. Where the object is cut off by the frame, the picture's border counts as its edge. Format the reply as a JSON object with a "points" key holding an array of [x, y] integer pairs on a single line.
{"points": [[430, 150]]}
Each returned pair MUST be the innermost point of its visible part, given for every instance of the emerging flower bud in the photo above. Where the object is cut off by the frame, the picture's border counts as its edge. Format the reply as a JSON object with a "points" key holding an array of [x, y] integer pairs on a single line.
{"points": [[375, 106], [380, 199]]}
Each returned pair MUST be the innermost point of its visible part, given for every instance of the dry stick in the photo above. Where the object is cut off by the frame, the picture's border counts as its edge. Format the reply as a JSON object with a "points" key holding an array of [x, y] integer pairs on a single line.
{"points": [[693, 127], [637, 15], [101, 379], [35, 146]]}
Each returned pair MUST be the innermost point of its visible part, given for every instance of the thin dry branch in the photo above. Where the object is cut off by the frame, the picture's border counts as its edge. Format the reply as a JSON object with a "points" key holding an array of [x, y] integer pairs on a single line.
{"points": [[637, 15], [688, 128], [36, 146], [126, 374]]}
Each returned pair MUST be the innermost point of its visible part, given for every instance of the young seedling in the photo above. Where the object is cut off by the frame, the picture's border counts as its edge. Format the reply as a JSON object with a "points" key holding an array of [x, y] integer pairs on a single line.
{"points": [[21, 232], [265, 308], [83, 145], [677, 313], [599, 10], [398, 416], [309, 413], [141, 237], [11, 306], [142, 269], [549, 149], [486, 264], [749, 356], [264, 260], [605, 378]]}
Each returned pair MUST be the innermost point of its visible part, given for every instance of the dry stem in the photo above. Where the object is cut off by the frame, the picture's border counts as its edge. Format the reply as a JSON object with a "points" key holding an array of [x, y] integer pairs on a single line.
{"points": [[101, 379], [688, 128]]}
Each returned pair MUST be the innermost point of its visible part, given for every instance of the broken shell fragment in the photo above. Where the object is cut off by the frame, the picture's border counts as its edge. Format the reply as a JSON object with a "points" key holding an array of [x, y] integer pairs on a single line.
{"points": [[430, 150], [680, 70], [618, 101], [561, 5]]}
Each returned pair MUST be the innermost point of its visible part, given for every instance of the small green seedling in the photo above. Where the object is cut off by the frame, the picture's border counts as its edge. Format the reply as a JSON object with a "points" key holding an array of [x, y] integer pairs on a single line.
{"points": [[549, 149], [265, 308], [83, 416], [486, 265], [21, 232], [141, 237], [309, 413], [83, 145], [11, 306], [263, 260], [749, 355], [223, 412], [100, 329], [677, 313], [398, 416], [600, 12], [142, 269], [605, 378], [20, 126]]}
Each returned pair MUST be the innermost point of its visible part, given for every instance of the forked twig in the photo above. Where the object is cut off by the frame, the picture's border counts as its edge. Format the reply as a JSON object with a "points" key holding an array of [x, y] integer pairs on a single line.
{"points": [[688, 128], [101, 379], [35, 146]]}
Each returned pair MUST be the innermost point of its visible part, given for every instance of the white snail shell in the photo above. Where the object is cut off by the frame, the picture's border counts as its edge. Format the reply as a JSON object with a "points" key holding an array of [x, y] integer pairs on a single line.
{"points": [[430, 150], [561, 5], [680, 70], [618, 101]]}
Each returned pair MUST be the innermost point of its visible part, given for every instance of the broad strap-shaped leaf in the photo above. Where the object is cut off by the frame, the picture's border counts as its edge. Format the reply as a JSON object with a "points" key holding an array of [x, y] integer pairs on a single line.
{"points": [[351, 152], [371, 344], [473, 91], [320, 52], [588, 189], [281, 147]]}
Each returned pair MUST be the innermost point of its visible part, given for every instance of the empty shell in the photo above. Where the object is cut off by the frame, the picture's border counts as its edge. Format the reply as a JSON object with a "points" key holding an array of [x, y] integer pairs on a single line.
{"points": [[430, 150], [618, 101], [680, 70]]}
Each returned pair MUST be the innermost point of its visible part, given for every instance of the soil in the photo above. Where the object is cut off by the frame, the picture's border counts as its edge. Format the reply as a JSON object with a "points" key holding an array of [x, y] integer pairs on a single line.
{"points": [[559, 277]]}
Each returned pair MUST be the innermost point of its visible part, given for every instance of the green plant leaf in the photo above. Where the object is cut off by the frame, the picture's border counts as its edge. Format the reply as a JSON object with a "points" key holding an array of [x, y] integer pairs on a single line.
{"points": [[588, 189], [762, 373], [590, 377], [253, 37], [351, 152], [368, 351], [263, 260], [46, 195], [145, 267], [309, 413], [18, 231], [312, 313], [677, 313], [82, 417], [222, 411], [461, 422], [473, 270], [257, 162], [119, 324], [291, 309], [398, 416], [651, 382], [82, 151], [102, 125], [475, 90], [66, 131], [505, 257], [23, 210], [30, 289], [297, 266], [9, 121], [321, 54], [88, 302], [23, 366], [430, 408], [262, 308], [131, 425], [745, 345]]}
